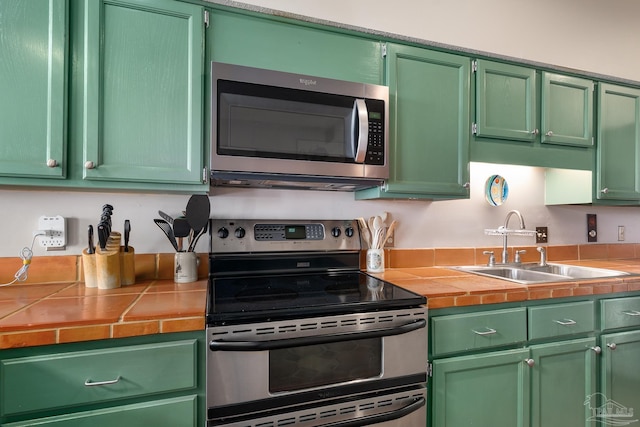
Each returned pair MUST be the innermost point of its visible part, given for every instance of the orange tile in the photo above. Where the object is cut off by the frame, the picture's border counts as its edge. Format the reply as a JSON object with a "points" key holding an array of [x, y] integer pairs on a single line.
{"points": [[513, 296], [458, 256], [441, 302], [80, 290], [70, 311], [158, 305], [583, 290], [562, 292], [562, 253], [25, 293], [171, 286], [84, 333], [134, 329], [621, 251], [494, 298], [602, 288], [593, 251], [146, 267], [165, 266], [27, 338], [539, 294], [428, 288], [409, 258], [8, 307], [394, 274], [43, 269], [203, 267], [465, 300], [620, 287], [479, 284], [433, 272], [182, 325]]}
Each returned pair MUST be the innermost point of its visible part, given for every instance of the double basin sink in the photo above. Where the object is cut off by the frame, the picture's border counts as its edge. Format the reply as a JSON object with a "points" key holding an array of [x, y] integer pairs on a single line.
{"points": [[531, 273]]}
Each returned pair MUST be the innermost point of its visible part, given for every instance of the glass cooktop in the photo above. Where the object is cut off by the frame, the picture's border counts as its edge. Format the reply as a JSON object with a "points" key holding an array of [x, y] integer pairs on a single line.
{"points": [[280, 296]]}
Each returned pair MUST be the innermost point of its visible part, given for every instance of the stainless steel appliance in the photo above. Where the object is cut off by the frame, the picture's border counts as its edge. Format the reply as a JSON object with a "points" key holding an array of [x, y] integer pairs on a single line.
{"points": [[276, 129], [298, 335]]}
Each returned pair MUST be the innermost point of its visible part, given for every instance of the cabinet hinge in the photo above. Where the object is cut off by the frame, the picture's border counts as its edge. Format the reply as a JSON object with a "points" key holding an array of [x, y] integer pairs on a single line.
{"points": [[383, 50], [474, 65], [204, 175], [474, 128], [206, 19], [430, 369]]}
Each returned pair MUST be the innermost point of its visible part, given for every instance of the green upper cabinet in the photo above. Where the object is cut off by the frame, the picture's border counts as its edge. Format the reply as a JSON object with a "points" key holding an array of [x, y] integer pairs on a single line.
{"points": [[505, 101], [428, 125], [618, 150], [567, 110], [143, 91], [33, 69], [531, 118], [286, 45]]}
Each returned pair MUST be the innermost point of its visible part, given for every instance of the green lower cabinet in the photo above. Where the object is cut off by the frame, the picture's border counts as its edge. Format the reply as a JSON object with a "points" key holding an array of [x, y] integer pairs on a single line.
{"points": [[620, 379], [181, 411], [562, 378], [487, 390]]}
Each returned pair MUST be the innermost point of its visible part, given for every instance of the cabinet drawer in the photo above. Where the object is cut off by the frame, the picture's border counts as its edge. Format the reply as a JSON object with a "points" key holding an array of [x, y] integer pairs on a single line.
{"points": [[620, 313], [180, 411], [561, 319], [69, 379], [478, 330]]}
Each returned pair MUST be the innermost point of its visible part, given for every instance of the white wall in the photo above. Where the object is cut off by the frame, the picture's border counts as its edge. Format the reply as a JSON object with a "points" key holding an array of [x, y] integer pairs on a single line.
{"points": [[593, 35]]}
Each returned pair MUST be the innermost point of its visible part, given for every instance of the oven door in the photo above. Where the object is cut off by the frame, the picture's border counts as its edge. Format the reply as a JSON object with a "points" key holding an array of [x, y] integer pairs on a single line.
{"points": [[396, 408], [267, 365]]}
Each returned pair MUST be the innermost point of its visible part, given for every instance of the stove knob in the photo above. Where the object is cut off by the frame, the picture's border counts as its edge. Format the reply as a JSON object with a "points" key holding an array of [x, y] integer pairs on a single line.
{"points": [[223, 233], [240, 232], [349, 231], [335, 232]]}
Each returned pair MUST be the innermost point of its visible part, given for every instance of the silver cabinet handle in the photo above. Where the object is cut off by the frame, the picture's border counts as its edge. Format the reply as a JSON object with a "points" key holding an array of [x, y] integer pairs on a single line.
{"points": [[90, 383], [565, 322], [605, 190], [632, 313], [612, 346], [549, 133], [530, 362], [535, 132], [597, 349], [489, 331], [52, 163], [89, 165], [466, 185]]}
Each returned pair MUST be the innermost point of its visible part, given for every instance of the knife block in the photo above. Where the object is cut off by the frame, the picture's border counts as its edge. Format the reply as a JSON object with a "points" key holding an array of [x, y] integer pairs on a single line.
{"points": [[111, 267]]}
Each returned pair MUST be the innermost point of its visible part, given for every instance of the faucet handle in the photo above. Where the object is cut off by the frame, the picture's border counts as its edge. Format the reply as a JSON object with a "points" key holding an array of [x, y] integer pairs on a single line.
{"points": [[492, 258], [543, 255], [517, 257]]}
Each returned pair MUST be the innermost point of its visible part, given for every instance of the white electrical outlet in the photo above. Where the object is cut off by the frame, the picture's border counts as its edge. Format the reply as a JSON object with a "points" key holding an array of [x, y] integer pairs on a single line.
{"points": [[56, 238], [620, 233]]}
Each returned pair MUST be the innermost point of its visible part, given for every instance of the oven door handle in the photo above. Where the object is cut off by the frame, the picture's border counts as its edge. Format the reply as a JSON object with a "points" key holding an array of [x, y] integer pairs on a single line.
{"points": [[380, 418], [222, 345]]}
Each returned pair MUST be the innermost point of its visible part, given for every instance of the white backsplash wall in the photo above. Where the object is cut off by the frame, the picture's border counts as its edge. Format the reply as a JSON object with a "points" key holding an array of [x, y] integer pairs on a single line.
{"points": [[422, 224]]}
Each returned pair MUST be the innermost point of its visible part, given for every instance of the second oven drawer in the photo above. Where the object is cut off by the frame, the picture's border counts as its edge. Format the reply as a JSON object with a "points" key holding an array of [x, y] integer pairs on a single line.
{"points": [[620, 313], [561, 319], [70, 379], [464, 332]]}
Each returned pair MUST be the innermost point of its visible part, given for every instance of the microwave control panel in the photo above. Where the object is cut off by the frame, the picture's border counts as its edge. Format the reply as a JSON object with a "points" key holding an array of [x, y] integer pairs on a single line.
{"points": [[375, 144]]}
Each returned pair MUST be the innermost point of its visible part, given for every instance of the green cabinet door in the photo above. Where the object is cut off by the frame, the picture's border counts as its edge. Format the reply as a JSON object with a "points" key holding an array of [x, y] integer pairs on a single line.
{"points": [[562, 377], [567, 110], [620, 379], [488, 390], [33, 69], [429, 125], [618, 148], [143, 91], [506, 102]]}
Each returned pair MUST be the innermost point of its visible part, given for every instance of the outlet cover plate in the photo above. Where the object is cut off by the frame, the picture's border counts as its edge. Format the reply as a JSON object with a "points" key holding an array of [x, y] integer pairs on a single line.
{"points": [[542, 235]]}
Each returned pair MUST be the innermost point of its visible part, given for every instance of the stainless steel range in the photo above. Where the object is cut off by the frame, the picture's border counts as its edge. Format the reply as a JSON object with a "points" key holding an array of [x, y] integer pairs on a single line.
{"points": [[298, 335]]}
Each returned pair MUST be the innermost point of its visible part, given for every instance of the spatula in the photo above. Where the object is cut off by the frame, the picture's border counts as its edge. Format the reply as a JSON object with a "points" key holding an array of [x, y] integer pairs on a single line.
{"points": [[168, 231]]}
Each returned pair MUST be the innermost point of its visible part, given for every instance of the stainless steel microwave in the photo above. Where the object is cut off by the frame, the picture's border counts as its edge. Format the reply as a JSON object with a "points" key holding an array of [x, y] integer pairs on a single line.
{"points": [[286, 130]]}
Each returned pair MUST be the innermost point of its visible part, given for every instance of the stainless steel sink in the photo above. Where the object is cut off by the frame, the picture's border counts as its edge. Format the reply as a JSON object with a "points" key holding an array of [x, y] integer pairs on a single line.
{"points": [[530, 273]]}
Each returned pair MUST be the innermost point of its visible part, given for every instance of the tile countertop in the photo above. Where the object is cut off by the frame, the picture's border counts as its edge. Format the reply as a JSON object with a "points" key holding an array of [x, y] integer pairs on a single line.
{"points": [[40, 314]]}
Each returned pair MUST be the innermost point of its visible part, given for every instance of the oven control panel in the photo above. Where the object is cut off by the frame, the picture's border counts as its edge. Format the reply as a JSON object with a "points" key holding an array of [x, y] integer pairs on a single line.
{"points": [[288, 235]]}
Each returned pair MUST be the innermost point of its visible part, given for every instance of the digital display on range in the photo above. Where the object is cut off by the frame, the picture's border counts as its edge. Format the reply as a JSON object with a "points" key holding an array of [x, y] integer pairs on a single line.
{"points": [[295, 232]]}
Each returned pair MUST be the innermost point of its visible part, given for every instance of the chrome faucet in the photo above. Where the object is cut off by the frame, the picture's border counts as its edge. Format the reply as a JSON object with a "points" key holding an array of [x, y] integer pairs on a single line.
{"points": [[505, 253], [543, 255]]}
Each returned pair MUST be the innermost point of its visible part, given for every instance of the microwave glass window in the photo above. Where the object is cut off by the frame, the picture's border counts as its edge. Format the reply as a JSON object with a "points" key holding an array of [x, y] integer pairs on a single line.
{"points": [[299, 368]]}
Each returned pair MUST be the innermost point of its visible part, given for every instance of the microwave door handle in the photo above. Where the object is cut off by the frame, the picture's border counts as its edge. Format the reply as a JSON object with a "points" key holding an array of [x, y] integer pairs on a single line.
{"points": [[360, 121], [222, 345], [380, 418]]}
